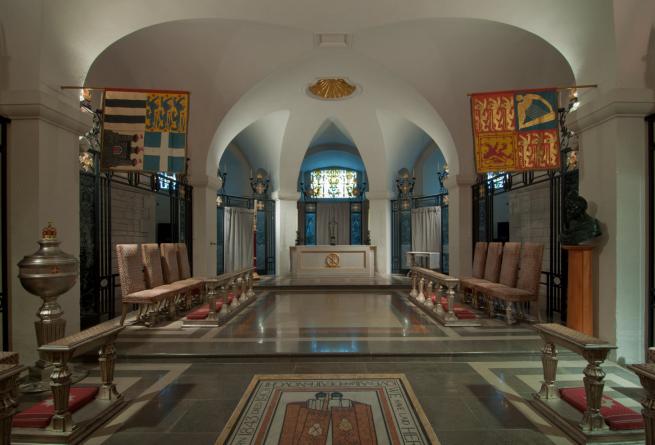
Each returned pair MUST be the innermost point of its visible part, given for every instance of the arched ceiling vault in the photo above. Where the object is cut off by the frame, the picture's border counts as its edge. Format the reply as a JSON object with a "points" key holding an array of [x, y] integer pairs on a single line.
{"points": [[412, 74]]}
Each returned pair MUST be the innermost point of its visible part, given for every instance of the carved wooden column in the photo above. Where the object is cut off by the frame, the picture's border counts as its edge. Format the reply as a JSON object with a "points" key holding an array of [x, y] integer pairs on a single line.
{"points": [[646, 373], [450, 294], [549, 362], [244, 289], [210, 286], [251, 283], [9, 374], [235, 293], [592, 419], [60, 383], [428, 298], [421, 297], [107, 361], [413, 293]]}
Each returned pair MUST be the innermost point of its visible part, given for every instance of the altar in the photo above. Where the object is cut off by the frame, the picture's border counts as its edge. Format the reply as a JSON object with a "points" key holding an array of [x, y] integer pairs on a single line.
{"points": [[332, 261]]}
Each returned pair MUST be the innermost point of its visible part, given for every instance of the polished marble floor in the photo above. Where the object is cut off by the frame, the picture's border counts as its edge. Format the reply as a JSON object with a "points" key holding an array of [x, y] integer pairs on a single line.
{"points": [[311, 322], [479, 401], [474, 384]]}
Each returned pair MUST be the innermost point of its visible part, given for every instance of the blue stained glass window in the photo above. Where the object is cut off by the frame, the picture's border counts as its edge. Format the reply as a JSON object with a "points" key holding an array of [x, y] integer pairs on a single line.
{"points": [[310, 229], [333, 183], [356, 228]]}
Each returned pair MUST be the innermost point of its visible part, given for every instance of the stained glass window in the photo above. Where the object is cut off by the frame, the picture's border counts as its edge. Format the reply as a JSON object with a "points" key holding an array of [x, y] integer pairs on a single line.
{"points": [[497, 180], [333, 183]]}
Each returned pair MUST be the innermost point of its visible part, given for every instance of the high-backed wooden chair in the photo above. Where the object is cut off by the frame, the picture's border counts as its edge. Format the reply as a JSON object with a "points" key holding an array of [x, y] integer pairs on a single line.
{"points": [[509, 267], [527, 285], [185, 269], [134, 289], [171, 269], [479, 259], [492, 265], [491, 270]]}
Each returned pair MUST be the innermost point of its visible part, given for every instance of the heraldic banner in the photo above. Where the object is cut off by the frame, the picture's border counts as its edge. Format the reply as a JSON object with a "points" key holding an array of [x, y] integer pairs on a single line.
{"points": [[515, 130], [145, 130]]}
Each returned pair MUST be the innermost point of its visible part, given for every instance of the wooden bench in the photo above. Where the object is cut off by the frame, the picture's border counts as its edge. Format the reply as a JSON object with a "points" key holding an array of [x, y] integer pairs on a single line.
{"points": [[423, 283], [646, 374], [591, 427], [62, 428], [511, 292], [9, 372], [134, 289]]}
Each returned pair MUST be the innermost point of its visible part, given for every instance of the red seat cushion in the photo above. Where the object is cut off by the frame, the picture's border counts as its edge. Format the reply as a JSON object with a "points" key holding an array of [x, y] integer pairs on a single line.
{"points": [[39, 415], [203, 311], [199, 313], [617, 416]]}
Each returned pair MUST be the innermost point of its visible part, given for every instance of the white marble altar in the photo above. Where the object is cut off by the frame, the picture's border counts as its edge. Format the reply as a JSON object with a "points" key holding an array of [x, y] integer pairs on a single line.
{"points": [[332, 261]]}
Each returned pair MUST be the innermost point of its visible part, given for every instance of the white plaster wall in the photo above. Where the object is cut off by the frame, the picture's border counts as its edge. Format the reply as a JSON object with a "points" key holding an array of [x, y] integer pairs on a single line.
{"points": [[286, 224], [379, 224], [204, 225], [42, 170], [613, 179]]}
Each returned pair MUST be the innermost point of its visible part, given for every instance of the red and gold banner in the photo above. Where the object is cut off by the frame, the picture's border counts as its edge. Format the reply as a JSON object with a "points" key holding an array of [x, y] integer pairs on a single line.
{"points": [[515, 131]]}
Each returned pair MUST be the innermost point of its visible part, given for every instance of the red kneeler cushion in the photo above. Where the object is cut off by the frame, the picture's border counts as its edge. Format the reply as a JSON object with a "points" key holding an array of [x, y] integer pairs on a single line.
{"points": [[39, 415], [460, 312], [203, 311], [617, 416]]}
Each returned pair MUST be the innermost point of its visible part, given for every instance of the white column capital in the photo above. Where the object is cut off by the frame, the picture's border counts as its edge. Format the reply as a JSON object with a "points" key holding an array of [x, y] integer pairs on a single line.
{"points": [[459, 180], [205, 181], [619, 102], [55, 109]]}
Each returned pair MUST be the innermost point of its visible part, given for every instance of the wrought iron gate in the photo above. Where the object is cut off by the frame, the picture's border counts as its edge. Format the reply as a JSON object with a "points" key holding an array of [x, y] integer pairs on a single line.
{"points": [[265, 235], [4, 296], [559, 183], [98, 283], [650, 298], [401, 228]]}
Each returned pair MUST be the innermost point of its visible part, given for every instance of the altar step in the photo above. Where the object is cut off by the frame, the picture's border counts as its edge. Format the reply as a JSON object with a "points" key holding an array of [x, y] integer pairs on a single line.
{"points": [[288, 283]]}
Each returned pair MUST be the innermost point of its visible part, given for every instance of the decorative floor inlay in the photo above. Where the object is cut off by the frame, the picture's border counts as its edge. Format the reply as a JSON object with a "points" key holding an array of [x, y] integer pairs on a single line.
{"points": [[338, 409]]}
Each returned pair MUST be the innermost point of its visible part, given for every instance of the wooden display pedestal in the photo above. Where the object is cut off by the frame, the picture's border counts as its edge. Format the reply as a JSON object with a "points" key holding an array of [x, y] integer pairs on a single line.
{"points": [[580, 291]]}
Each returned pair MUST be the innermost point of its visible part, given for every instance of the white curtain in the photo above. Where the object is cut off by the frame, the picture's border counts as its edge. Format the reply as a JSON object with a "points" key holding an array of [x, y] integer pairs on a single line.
{"points": [[426, 229], [328, 213], [238, 232]]}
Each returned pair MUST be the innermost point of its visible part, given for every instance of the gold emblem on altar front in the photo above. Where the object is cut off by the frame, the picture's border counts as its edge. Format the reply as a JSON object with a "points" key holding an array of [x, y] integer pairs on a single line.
{"points": [[332, 260]]}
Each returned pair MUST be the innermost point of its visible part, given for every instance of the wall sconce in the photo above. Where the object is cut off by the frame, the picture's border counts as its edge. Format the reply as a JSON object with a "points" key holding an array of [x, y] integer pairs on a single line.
{"points": [[219, 201], [442, 175], [259, 183], [405, 185]]}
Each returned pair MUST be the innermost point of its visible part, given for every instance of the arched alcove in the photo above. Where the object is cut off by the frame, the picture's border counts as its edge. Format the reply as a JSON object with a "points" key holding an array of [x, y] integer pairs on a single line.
{"points": [[332, 208]]}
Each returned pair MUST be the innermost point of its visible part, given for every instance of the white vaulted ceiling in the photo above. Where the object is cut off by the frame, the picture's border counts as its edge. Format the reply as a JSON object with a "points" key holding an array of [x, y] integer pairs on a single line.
{"points": [[248, 68]]}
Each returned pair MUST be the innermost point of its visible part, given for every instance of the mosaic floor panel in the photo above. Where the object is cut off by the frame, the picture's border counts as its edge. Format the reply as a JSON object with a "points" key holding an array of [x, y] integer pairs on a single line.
{"points": [[339, 409]]}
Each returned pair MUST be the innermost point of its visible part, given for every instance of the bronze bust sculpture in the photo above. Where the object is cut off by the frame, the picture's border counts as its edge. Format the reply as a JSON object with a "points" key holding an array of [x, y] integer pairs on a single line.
{"points": [[579, 225]]}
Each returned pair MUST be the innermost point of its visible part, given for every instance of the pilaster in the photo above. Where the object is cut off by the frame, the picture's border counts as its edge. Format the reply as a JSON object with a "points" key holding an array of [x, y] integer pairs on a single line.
{"points": [[613, 179], [43, 186], [286, 224], [204, 224]]}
